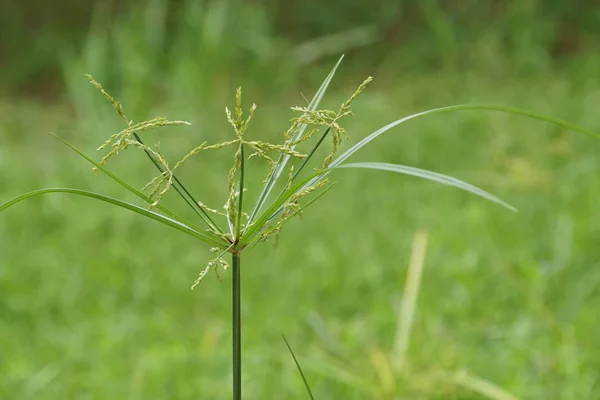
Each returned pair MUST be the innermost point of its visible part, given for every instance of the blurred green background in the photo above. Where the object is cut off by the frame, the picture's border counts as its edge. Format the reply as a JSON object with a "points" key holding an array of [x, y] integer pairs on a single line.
{"points": [[95, 302]]}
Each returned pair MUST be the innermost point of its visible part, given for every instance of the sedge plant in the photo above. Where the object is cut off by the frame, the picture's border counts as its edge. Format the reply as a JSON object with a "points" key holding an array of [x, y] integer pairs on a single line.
{"points": [[289, 187]]}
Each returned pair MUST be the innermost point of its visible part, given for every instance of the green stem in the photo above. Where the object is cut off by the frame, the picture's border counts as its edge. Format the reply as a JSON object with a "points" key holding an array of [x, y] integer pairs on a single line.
{"points": [[190, 200], [237, 328], [312, 152], [238, 222]]}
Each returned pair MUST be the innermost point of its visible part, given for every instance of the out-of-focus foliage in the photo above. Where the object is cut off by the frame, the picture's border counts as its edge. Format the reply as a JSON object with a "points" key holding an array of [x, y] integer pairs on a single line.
{"points": [[244, 35]]}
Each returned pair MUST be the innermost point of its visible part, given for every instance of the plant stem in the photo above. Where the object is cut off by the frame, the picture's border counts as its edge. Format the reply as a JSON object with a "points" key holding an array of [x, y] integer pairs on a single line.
{"points": [[238, 222], [237, 328], [190, 200], [312, 152]]}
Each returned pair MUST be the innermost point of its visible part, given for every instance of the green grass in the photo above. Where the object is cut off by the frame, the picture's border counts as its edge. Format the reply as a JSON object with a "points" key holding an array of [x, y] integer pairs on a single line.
{"points": [[93, 304]]}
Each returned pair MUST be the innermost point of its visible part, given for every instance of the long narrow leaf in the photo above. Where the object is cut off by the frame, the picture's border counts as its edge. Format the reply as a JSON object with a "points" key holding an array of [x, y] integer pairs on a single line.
{"points": [[406, 170], [133, 190], [142, 211], [299, 368], [284, 158], [510, 110], [431, 176]]}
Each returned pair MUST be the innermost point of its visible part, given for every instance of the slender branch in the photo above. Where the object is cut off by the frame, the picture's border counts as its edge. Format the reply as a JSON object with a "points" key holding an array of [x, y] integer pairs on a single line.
{"points": [[190, 200], [237, 328], [314, 149]]}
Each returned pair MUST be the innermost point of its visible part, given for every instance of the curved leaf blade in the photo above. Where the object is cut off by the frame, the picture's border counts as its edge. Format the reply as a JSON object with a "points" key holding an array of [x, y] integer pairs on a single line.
{"points": [[403, 169], [510, 110], [173, 223], [430, 176], [130, 188]]}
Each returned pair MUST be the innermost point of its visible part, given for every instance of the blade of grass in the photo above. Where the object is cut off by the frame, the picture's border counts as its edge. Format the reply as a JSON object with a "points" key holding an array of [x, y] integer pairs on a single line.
{"points": [[132, 189], [299, 368], [387, 376], [482, 386], [409, 298], [431, 176], [182, 191], [284, 158], [275, 207], [412, 171], [510, 110], [346, 40], [330, 342], [147, 213]]}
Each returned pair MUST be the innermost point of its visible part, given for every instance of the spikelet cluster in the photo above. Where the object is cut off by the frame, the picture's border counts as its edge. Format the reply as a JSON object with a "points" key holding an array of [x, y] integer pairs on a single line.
{"points": [[311, 118]]}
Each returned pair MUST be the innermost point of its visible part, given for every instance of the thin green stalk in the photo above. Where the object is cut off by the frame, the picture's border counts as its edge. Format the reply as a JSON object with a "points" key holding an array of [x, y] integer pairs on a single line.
{"points": [[299, 368], [314, 149], [238, 227], [237, 328], [308, 157], [190, 200], [283, 158]]}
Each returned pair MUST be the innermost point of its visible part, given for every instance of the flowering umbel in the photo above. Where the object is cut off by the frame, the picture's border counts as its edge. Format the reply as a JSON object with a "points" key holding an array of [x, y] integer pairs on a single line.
{"points": [[316, 120]]}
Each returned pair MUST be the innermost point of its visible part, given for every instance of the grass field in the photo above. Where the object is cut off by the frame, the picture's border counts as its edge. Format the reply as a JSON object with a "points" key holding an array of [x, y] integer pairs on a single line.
{"points": [[95, 302]]}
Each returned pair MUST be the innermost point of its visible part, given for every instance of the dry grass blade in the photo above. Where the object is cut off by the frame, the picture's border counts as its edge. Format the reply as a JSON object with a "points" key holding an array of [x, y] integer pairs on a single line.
{"points": [[409, 298], [482, 386]]}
